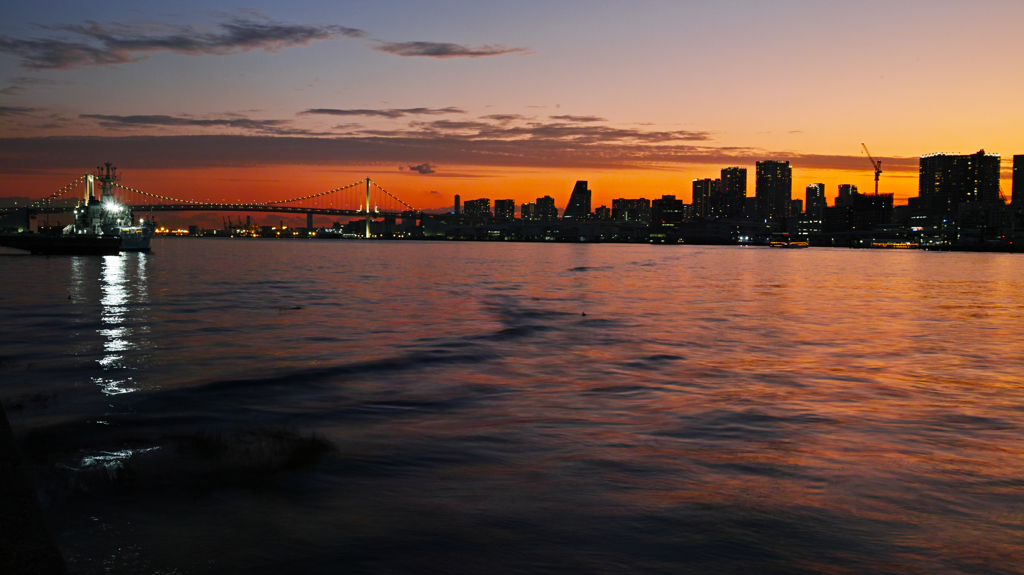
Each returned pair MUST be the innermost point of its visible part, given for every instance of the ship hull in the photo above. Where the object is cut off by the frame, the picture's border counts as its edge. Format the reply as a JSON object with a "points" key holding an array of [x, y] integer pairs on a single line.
{"points": [[79, 245]]}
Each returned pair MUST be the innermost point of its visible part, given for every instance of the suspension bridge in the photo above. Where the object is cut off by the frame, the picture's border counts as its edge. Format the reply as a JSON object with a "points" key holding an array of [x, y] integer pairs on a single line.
{"points": [[365, 198]]}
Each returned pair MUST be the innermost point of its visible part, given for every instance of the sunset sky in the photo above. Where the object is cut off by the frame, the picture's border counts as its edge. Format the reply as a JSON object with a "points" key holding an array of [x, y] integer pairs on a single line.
{"points": [[220, 101]]}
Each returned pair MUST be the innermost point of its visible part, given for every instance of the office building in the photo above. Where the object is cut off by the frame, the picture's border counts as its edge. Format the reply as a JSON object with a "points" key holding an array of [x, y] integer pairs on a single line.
{"points": [[480, 208], [458, 205], [815, 201], [546, 210], [773, 189], [528, 211], [579, 203], [666, 219], [631, 210], [602, 213], [734, 191], [505, 210]]}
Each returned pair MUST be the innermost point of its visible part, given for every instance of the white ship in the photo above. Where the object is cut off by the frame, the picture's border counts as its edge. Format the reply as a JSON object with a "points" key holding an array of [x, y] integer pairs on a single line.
{"points": [[105, 216]]}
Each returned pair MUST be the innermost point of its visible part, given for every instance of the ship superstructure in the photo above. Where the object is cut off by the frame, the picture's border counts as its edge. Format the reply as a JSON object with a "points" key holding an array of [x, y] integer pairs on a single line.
{"points": [[106, 216]]}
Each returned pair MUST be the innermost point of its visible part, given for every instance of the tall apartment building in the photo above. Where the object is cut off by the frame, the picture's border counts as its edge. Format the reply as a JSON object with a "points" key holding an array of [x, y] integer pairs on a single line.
{"points": [[946, 181], [631, 210], [505, 210], [480, 208], [773, 189], [546, 210], [734, 191], [579, 203]]}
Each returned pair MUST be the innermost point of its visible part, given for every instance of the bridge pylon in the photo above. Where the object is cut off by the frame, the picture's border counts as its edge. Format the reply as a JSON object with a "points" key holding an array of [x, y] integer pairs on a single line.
{"points": [[367, 207]]}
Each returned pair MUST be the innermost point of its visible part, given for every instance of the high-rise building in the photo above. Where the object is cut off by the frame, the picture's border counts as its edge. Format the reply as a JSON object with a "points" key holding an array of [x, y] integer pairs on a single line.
{"points": [[846, 194], [528, 211], [626, 210], [734, 191], [666, 219], [796, 207], [546, 210], [948, 180], [773, 189], [458, 205], [579, 203], [602, 213], [504, 210], [707, 198], [480, 208], [862, 212], [1017, 192], [815, 201]]}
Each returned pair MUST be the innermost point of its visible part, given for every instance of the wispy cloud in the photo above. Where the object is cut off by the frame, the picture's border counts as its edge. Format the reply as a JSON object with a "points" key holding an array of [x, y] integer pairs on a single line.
{"points": [[389, 113], [446, 49], [17, 110], [95, 44], [229, 120], [568, 118], [505, 117]]}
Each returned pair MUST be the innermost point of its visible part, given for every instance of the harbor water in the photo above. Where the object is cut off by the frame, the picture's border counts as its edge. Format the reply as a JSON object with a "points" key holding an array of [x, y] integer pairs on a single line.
{"points": [[310, 406]]}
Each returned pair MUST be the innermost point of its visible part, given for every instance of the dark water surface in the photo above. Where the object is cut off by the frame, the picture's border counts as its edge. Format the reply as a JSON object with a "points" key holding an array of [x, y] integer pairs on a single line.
{"points": [[234, 406]]}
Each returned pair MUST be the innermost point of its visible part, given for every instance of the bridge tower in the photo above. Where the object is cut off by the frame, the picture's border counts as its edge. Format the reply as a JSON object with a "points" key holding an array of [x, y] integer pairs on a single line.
{"points": [[367, 207]]}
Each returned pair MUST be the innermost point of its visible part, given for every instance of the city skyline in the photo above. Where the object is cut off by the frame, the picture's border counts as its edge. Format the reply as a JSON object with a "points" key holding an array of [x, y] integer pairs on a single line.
{"points": [[245, 103]]}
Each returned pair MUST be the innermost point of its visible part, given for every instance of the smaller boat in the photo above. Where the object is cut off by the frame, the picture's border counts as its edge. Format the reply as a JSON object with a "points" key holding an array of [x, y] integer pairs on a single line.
{"points": [[107, 217]]}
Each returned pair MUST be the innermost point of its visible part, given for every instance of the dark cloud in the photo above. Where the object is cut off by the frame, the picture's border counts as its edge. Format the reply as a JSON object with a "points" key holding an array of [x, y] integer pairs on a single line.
{"points": [[568, 118], [390, 113], [228, 120], [17, 110], [445, 49], [425, 168], [142, 152], [232, 121], [537, 131], [95, 44], [505, 117]]}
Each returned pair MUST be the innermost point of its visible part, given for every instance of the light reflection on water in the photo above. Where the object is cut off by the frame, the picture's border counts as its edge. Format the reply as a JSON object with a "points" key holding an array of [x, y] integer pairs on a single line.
{"points": [[311, 407]]}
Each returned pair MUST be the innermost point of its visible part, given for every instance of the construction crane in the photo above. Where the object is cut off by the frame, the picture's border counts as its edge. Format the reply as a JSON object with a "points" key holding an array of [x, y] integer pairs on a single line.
{"points": [[876, 163]]}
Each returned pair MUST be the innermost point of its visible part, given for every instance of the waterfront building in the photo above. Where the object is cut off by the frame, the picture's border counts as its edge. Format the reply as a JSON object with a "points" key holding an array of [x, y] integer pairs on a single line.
{"points": [[528, 211], [773, 189], [845, 197], [815, 200], [505, 210], [734, 191], [706, 199], [631, 210], [666, 219], [579, 203], [480, 208], [948, 180], [1017, 192], [860, 212], [546, 210], [602, 213]]}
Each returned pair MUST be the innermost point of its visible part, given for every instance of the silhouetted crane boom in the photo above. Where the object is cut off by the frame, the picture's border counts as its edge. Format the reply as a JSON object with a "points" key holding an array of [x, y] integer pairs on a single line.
{"points": [[876, 163]]}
